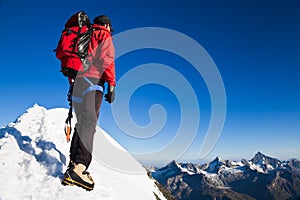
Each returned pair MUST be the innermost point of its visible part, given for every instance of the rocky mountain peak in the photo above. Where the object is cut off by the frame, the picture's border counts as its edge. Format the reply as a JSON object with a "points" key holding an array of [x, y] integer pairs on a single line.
{"points": [[264, 160], [258, 157]]}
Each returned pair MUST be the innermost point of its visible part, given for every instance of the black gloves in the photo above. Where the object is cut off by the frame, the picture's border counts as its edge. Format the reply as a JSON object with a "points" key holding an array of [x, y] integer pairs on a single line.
{"points": [[110, 96]]}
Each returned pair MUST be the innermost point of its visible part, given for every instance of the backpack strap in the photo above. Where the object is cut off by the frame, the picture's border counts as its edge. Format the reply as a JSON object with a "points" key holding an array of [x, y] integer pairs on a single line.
{"points": [[92, 87], [79, 35]]}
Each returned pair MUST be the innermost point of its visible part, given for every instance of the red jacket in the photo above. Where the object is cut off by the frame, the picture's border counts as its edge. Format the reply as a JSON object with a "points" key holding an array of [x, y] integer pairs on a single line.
{"points": [[101, 55]]}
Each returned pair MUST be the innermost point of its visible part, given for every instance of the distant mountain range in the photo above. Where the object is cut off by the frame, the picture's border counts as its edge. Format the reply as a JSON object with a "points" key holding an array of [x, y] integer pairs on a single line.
{"points": [[261, 178]]}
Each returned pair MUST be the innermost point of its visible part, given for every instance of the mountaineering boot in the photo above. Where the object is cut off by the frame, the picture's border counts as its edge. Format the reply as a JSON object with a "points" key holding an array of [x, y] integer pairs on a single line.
{"points": [[72, 177], [70, 166]]}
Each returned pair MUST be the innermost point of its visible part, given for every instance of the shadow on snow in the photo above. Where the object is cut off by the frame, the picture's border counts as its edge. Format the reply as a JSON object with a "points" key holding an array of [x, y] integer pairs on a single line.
{"points": [[53, 166]]}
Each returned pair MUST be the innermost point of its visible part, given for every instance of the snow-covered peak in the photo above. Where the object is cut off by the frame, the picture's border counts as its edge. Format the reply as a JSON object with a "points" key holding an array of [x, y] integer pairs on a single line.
{"points": [[213, 166], [258, 157], [174, 168], [190, 168], [173, 164], [169, 170], [263, 163], [34, 155]]}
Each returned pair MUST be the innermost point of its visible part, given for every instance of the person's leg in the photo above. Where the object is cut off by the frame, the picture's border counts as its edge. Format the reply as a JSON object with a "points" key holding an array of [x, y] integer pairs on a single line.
{"points": [[89, 113], [79, 86], [73, 148], [85, 129], [98, 102]]}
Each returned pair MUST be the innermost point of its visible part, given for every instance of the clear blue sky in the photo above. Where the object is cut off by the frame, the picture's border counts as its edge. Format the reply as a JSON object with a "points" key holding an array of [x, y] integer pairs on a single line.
{"points": [[255, 45]]}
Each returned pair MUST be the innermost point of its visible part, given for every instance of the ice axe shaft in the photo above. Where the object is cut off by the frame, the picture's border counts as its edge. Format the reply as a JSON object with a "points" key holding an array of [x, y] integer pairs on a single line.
{"points": [[68, 131]]}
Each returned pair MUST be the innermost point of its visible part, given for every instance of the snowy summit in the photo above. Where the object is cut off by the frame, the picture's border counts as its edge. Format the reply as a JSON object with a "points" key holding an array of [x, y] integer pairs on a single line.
{"points": [[34, 155]]}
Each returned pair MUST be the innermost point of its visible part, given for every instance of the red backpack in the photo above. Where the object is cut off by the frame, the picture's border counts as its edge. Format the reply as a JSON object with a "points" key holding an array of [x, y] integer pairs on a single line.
{"points": [[72, 47]]}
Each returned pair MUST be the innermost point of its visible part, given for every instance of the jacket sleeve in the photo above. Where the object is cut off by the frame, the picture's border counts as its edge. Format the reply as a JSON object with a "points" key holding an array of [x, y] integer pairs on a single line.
{"points": [[106, 58], [109, 75]]}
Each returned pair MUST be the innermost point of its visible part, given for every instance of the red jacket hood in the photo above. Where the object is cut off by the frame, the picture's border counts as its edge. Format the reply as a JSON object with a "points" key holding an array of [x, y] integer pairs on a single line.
{"points": [[97, 26]]}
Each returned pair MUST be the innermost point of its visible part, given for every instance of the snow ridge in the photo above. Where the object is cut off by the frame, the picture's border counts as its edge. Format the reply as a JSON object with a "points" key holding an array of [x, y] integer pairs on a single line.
{"points": [[34, 155]]}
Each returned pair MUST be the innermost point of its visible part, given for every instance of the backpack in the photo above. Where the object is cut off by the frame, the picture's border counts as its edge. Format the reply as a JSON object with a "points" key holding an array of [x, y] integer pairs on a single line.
{"points": [[72, 47]]}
